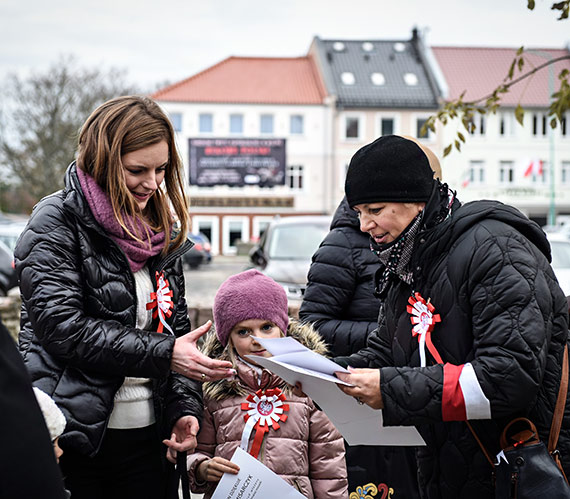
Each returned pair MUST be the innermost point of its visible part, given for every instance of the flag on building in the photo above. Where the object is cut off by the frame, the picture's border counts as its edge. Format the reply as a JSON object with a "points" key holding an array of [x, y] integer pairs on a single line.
{"points": [[466, 179], [534, 167]]}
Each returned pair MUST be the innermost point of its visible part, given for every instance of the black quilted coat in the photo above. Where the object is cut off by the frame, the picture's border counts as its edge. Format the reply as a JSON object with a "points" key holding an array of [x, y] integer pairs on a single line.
{"points": [[486, 270], [340, 303], [339, 300], [78, 335]]}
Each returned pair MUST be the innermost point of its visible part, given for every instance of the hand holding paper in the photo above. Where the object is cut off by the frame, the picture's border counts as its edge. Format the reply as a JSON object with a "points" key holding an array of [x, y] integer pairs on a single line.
{"points": [[358, 424], [253, 480], [365, 386]]}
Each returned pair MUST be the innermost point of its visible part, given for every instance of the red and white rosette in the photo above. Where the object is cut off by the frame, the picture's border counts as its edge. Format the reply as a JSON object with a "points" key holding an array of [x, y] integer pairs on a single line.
{"points": [[161, 302], [424, 319], [264, 409]]}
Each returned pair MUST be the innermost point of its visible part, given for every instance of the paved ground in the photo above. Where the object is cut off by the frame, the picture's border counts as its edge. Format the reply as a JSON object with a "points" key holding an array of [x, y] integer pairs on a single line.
{"points": [[203, 282]]}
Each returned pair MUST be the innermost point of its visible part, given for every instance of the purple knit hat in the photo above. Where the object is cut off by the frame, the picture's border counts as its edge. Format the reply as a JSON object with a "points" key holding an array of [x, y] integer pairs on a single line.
{"points": [[249, 295]]}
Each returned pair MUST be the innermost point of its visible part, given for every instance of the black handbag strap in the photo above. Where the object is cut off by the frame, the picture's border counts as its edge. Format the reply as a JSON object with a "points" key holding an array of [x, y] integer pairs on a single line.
{"points": [[182, 471], [556, 417]]}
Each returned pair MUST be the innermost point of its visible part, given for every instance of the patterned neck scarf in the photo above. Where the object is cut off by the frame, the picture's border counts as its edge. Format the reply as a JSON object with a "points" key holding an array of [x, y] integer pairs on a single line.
{"points": [[396, 255]]}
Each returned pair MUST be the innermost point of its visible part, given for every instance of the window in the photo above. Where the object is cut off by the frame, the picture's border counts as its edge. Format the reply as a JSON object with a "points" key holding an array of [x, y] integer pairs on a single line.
{"points": [[507, 125], [176, 120], [506, 172], [565, 177], [539, 125], [236, 123], [368, 47], [206, 123], [295, 177], [411, 79], [477, 124], [351, 128], [348, 78], [476, 173], [378, 79], [564, 126], [540, 174], [296, 124], [428, 134], [386, 126], [266, 123]]}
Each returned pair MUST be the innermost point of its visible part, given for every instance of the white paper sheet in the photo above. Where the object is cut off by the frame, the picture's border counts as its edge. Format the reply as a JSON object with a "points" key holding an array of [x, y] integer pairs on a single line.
{"points": [[358, 424], [253, 480]]}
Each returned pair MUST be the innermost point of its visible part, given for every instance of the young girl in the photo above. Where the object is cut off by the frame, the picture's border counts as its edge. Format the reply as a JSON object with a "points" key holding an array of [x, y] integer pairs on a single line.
{"points": [[104, 317], [303, 447]]}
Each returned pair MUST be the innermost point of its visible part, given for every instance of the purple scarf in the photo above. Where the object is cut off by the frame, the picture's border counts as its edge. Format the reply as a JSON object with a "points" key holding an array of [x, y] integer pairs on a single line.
{"points": [[137, 252]]}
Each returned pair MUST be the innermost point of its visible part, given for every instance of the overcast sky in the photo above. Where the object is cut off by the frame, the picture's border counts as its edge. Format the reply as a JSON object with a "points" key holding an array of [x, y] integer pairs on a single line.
{"points": [[170, 40]]}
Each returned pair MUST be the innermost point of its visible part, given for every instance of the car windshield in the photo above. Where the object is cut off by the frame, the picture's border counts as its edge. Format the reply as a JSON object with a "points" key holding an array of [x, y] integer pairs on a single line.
{"points": [[560, 254], [296, 242]]}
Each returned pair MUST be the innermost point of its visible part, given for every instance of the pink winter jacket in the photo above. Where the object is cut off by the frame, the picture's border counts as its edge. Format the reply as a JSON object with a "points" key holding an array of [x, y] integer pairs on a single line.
{"points": [[306, 451]]}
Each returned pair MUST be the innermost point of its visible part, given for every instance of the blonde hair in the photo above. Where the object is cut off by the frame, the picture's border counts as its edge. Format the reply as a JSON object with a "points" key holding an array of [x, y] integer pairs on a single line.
{"points": [[118, 127], [432, 158]]}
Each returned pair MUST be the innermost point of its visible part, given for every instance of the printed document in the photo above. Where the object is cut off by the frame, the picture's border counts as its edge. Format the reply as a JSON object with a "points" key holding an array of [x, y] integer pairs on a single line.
{"points": [[253, 480], [359, 424]]}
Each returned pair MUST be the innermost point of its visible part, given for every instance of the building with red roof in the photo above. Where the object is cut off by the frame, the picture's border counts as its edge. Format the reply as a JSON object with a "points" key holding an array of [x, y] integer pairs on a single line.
{"points": [[254, 133], [502, 159]]}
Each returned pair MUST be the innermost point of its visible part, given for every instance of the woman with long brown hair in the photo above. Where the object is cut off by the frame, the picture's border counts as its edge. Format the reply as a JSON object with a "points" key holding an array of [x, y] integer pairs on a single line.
{"points": [[105, 328]]}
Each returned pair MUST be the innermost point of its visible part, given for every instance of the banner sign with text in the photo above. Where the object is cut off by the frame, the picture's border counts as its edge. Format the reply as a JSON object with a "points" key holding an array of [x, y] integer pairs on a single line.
{"points": [[237, 162]]}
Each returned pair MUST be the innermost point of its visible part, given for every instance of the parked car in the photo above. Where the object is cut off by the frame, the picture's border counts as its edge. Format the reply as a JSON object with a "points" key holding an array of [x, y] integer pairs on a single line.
{"points": [[560, 245], [8, 279], [200, 253], [284, 251], [10, 232], [203, 244]]}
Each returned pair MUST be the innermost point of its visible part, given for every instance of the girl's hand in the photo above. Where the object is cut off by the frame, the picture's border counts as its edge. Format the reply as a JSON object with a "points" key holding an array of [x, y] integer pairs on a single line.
{"points": [[190, 362], [366, 387], [211, 470]]}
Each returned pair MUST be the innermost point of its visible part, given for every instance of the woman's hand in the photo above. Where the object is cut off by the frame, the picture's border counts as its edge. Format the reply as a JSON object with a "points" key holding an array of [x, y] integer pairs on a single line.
{"points": [[366, 387], [211, 470], [190, 362], [183, 437]]}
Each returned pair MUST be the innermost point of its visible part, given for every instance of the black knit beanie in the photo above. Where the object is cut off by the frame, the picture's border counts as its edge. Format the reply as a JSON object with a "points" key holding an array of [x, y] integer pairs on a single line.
{"points": [[392, 169]]}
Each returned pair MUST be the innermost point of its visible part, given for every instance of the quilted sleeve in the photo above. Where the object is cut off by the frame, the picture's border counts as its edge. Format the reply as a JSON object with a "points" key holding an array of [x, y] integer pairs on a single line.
{"points": [[501, 282], [332, 281]]}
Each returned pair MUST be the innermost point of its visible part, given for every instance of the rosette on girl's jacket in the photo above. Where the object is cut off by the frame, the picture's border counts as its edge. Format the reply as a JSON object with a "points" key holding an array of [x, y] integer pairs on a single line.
{"points": [[263, 409]]}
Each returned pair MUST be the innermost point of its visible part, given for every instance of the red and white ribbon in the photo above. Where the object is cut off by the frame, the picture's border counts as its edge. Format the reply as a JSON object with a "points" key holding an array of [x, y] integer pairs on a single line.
{"points": [[424, 320], [263, 410], [161, 302]]}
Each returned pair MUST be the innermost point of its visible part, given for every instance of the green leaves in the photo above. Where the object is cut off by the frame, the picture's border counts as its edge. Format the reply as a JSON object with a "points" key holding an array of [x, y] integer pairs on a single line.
{"points": [[519, 114]]}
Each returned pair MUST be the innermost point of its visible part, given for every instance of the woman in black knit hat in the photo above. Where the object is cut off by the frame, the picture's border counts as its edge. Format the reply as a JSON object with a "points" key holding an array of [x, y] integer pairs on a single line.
{"points": [[472, 322]]}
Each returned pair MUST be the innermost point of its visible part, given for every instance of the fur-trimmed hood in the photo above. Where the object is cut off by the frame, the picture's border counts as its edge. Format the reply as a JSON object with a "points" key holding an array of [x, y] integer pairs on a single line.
{"points": [[219, 390]]}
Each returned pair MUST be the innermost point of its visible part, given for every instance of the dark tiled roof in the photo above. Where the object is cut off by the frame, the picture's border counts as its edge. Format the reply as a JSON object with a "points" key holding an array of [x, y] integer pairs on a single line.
{"points": [[393, 59]]}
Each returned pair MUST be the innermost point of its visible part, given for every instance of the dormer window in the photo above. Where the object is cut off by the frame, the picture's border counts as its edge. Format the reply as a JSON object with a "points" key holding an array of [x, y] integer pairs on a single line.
{"points": [[410, 79], [399, 47], [367, 46], [378, 79], [348, 78], [338, 46]]}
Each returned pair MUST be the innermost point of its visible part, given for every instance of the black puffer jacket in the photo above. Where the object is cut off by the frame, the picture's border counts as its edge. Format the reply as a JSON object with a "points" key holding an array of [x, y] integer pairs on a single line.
{"points": [[339, 299], [78, 335], [486, 271]]}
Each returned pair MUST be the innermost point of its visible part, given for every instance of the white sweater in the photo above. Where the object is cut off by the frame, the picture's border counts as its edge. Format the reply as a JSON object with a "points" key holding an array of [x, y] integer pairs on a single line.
{"points": [[133, 405]]}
